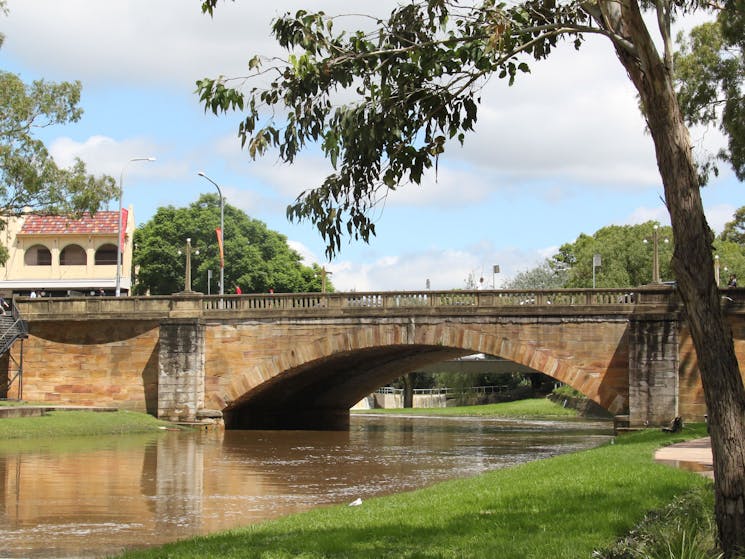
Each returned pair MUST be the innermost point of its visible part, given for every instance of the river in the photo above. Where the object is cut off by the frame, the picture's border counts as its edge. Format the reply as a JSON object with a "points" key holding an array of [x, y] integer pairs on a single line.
{"points": [[91, 496]]}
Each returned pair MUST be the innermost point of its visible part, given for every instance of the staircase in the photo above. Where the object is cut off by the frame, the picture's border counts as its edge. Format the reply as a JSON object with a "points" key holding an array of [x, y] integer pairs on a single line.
{"points": [[12, 329]]}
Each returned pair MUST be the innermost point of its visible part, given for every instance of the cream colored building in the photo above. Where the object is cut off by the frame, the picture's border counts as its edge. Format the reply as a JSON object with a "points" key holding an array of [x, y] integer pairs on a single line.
{"points": [[60, 256]]}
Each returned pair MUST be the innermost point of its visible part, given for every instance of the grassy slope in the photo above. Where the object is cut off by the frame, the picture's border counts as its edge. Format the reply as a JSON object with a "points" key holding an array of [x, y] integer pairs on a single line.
{"points": [[78, 423], [533, 408], [563, 507]]}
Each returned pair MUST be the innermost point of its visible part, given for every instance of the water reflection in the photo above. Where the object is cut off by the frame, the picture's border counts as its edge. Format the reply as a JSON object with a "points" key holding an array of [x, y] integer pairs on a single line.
{"points": [[89, 497]]}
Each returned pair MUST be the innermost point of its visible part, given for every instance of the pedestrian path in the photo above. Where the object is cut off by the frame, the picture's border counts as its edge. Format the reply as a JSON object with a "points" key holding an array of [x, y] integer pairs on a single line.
{"points": [[694, 455]]}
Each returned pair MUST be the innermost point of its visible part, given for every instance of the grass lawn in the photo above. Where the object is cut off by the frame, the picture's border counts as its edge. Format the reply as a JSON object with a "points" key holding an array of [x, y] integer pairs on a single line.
{"points": [[78, 423], [563, 507], [538, 408]]}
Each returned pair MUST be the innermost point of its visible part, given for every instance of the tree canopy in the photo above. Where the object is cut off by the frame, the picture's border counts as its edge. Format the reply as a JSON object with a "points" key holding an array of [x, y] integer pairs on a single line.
{"points": [[626, 254], [710, 75], [256, 258]]}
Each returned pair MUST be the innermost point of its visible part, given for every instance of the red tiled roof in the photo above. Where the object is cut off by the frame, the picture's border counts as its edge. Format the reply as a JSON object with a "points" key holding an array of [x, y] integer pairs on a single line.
{"points": [[100, 223]]}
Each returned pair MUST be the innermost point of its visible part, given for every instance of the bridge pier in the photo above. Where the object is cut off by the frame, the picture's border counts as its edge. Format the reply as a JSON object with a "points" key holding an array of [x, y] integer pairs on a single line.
{"points": [[653, 372], [287, 418], [180, 369]]}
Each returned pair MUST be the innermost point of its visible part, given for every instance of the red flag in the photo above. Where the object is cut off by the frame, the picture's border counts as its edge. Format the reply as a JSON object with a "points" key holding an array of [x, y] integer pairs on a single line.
{"points": [[124, 219], [219, 244]]}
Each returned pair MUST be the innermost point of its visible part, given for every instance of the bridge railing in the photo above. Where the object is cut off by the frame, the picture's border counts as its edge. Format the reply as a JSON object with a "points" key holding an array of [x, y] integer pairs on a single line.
{"points": [[193, 304], [439, 299]]}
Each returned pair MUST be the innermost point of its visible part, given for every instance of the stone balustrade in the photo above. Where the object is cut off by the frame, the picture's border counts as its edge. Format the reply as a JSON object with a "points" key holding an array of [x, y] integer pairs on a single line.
{"points": [[194, 305]]}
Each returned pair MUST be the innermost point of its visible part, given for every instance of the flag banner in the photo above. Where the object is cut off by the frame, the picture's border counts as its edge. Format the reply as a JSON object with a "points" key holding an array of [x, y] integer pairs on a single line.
{"points": [[123, 240], [219, 244]]}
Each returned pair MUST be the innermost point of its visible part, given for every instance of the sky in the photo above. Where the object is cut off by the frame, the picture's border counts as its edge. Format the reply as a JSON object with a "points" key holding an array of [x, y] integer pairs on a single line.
{"points": [[561, 153]]}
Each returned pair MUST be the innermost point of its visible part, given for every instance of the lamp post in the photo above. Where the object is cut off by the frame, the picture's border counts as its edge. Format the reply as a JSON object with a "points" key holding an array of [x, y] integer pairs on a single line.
{"points": [[655, 255], [118, 289], [187, 277], [187, 266], [716, 269], [222, 231]]}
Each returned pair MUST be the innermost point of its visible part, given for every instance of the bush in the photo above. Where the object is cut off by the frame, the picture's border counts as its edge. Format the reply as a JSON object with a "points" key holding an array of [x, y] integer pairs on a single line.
{"points": [[567, 391], [684, 529]]}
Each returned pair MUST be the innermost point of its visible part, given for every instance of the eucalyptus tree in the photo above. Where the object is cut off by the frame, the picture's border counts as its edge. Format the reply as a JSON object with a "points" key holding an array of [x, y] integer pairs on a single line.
{"points": [[256, 258], [710, 75], [412, 86]]}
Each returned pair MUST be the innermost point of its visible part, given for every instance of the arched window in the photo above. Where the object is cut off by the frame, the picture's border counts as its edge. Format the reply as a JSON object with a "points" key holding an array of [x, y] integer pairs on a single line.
{"points": [[73, 255], [37, 255], [106, 255]]}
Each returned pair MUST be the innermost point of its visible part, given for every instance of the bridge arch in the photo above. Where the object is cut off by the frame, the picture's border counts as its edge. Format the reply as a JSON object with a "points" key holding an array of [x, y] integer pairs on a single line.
{"points": [[311, 380]]}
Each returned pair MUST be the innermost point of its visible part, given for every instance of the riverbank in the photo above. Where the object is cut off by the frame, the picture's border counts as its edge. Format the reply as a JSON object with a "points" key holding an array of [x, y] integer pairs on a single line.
{"points": [[534, 408], [97, 422], [75, 423], [563, 507]]}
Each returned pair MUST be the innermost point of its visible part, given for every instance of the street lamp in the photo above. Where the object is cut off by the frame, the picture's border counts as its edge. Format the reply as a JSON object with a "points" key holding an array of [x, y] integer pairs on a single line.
{"points": [[655, 255], [119, 225], [222, 232]]}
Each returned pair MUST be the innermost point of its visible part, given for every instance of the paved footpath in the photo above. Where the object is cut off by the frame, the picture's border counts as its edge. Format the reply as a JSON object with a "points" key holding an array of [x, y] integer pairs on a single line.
{"points": [[694, 455]]}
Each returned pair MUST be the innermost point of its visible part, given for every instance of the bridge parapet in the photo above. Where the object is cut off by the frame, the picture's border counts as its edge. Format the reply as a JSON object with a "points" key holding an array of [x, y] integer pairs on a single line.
{"points": [[197, 305]]}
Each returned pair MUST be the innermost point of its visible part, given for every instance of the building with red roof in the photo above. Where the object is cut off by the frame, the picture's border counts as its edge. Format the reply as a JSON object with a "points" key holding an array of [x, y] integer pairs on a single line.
{"points": [[57, 255]]}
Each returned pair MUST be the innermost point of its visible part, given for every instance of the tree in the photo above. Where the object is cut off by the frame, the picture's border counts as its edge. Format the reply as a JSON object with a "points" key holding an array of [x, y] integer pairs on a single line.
{"points": [[626, 254], [730, 247], [30, 180], [256, 258], [734, 230], [547, 275], [414, 82], [710, 75], [731, 257]]}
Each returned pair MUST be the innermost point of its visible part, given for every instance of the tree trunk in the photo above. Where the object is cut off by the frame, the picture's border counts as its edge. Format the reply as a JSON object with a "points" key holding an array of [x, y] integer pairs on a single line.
{"points": [[693, 266]]}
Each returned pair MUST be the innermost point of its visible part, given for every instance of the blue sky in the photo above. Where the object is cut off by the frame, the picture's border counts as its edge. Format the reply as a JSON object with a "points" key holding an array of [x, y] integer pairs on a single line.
{"points": [[562, 152]]}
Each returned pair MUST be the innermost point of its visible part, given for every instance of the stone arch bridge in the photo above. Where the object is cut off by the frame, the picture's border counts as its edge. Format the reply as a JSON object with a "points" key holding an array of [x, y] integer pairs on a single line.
{"points": [[302, 360]]}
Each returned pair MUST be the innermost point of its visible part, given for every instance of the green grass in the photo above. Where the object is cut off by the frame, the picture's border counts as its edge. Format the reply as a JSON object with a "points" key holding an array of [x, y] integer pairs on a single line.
{"points": [[539, 408], [11, 403], [563, 507], [79, 423]]}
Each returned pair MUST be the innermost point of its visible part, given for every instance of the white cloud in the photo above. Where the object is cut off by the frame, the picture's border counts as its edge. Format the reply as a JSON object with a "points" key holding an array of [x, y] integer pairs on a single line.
{"points": [[716, 215], [719, 215], [104, 155], [642, 215], [168, 43], [440, 269]]}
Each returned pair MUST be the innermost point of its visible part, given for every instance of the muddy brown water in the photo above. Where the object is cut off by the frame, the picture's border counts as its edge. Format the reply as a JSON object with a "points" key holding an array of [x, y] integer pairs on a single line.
{"points": [[93, 497]]}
